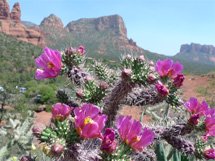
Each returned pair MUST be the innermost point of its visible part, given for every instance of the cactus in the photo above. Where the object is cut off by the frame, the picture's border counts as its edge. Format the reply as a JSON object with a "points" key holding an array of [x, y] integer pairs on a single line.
{"points": [[19, 134]]}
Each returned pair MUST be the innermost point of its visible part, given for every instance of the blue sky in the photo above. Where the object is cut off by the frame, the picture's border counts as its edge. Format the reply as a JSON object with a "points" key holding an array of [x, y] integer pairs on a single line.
{"points": [[160, 26]]}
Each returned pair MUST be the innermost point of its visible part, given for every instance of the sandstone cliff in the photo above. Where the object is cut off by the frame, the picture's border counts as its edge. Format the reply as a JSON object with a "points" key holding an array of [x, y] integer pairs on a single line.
{"points": [[10, 23]]}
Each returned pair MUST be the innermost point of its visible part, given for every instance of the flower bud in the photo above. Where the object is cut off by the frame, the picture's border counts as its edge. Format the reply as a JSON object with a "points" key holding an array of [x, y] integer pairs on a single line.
{"points": [[81, 50], [103, 85], [151, 63], [108, 144], [141, 58], [80, 94], [194, 119], [26, 158], [57, 149], [151, 78], [88, 79], [152, 69], [162, 90], [128, 56], [126, 74], [38, 129], [178, 80], [209, 154], [70, 51]]}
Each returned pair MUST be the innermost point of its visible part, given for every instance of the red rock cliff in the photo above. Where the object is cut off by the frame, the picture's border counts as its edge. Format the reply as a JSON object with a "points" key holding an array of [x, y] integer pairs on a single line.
{"points": [[16, 13], [10, 23]]}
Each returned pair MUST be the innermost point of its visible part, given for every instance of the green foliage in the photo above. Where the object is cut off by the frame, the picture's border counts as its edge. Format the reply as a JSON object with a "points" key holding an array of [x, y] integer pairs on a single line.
{"points": [[160, 151]]}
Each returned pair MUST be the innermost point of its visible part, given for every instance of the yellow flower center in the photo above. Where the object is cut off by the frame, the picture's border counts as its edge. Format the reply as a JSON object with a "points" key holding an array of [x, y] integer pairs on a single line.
{"points": [[88, 120], [50, 65]]}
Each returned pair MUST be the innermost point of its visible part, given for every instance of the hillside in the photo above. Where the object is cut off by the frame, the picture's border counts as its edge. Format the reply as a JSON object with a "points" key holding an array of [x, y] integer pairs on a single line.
{"points": [[17, 60], [104, 36]]}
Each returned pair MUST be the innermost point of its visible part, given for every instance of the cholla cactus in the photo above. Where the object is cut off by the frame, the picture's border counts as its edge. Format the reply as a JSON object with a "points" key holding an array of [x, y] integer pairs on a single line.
{"points": [[77, 133], [18, 133]]}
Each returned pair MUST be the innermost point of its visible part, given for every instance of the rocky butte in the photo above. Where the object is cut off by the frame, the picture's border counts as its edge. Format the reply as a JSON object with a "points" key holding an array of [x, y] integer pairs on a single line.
{"points": [[198, 53], [10, 23]]}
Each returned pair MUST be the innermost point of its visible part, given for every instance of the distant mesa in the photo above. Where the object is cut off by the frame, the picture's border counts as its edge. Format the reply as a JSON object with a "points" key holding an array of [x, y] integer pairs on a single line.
{"points": [[197, 53], [210, 49], [100, 24], [10, 23]]}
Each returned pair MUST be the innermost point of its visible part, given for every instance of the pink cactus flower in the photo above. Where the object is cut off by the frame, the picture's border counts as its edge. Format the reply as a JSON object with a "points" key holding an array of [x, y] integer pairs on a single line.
{"points": [[109, 144], [132, 134], [89, 124], [210, 125], [209, 154], [194, 107], [60, 111], [167, 68], [50, 64], [81, 50], [178, 80], [162, 90]]}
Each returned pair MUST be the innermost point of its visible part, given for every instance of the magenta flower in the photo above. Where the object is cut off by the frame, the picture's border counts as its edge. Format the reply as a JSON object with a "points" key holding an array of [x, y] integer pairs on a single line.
{"points": [[50, 64], [178, 80], [162, 90], [209, 154], [210, 126], [88, 122], [167, 68], [81, 50], [194, 107], [132, 134], [108, 144], [194, 119], [60, 111]]}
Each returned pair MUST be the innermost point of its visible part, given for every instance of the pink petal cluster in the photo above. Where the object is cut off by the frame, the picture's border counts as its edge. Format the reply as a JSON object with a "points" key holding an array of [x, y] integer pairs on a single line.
{"points": [[60, 111], [209, 154], [109, 144], [167, 68], [162, 90], [132, 134], [194, 107], [178, 80], [81, 50], [50, 64], [88, 122]]}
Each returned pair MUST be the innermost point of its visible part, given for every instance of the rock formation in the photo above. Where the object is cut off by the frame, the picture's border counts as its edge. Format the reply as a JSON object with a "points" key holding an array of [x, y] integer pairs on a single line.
{"points": [[113, 25], [52, 22], [10, 23], [16, 13], [4, 10], [210, 49]]}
